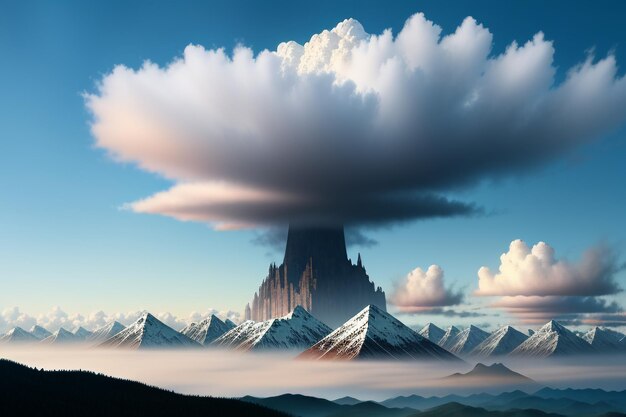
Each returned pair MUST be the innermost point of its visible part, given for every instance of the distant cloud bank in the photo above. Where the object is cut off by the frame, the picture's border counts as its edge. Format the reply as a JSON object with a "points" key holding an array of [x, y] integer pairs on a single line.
{"points": [[57, 318], [350, 127]]}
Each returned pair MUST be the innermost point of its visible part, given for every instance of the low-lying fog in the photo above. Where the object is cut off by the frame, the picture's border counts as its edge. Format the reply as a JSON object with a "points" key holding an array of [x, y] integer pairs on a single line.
{"points": [[223, 373]]}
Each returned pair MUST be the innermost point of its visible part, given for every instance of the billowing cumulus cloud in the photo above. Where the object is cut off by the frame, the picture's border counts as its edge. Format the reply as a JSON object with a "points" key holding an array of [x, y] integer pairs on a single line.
{"points": [[534, 286], [13, 317], [350, 127], [536, 271], [422, 291]]}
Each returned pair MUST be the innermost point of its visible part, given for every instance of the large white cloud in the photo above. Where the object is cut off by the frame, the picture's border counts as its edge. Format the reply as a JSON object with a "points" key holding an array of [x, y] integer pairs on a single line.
{"points": [[421, 291], [534, 286], [536, 271], [350, 127]]}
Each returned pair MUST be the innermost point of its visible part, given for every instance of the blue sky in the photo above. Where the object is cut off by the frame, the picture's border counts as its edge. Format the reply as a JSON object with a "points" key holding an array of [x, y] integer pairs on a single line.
{"points": [[65, 241]]}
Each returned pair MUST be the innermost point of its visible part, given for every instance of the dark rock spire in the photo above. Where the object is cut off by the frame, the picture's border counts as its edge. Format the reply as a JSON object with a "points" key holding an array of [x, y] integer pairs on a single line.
{"points": [[316, 274]]}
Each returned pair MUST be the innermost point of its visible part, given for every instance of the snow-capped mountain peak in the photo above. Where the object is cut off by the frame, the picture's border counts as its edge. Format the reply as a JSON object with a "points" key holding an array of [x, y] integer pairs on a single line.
{"points": [[18, 335], [296, 330], [447, 340], [207, 330], [82, 333], [464, 342], [552, 339], [432, 333], [105, 332], [148, 332], [39, 332], [60, 337], [373, 333], [501, 342], [604, 340]]}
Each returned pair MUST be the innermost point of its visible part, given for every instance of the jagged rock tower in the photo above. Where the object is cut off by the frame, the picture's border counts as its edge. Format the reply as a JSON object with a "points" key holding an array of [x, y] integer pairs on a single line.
{"points": [[316, 274]]}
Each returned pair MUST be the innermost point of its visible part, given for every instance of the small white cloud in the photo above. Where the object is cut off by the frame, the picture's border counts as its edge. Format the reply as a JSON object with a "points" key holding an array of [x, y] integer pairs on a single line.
{"points": [[423, 290]]}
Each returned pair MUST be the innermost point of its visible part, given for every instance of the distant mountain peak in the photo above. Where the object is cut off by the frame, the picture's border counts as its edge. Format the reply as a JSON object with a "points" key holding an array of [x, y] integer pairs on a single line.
{"points": [[553, 339], [298, 311], [465, 341], [374, 333], [432, 332], [496, 373], [39, 332], [501, 342], [207, 330], [298, 329], [61, 336], [18, 335], [82, 333], [148, 332], [604, 340], [105, 332]]}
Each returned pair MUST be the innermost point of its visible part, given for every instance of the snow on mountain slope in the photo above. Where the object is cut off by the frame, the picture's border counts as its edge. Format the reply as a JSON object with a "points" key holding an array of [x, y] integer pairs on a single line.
{"points": [[105, 332], [18, 335], [297, 330], [467, 340], [82, 334], [432, 333], [148, 332], [447, 341], [501, 342], [60, 337], [553, 339], [604, 340], [375, 334], [207, 330], [39, 332]]}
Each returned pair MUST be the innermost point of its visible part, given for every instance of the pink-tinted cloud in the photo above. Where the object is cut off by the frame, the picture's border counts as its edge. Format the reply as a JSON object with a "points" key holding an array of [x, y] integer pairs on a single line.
{"points": [[421, 290], [537, 272]]}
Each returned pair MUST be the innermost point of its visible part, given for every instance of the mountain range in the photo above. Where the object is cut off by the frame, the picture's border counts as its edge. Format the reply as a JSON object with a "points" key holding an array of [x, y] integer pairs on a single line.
{"points": [[61, 337], [295, 331], [464, 342], [18, 335], [25, 391], [546, 402], [148, 332], [372, 333], [207, 330], [553, 339], [499, 343]]}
